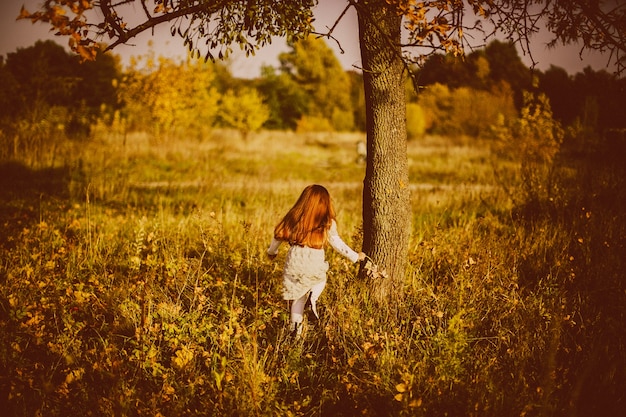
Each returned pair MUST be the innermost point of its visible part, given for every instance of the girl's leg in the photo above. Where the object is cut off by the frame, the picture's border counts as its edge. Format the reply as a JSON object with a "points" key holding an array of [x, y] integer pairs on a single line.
{"points": [[297, 309], [316, 291]]}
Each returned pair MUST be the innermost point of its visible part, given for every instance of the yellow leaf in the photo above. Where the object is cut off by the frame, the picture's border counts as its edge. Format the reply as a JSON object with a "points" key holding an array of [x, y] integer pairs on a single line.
{"points": [[24, 14], [74, 375], [401, 387], [415, 403], [182, 357], [398, 397]]}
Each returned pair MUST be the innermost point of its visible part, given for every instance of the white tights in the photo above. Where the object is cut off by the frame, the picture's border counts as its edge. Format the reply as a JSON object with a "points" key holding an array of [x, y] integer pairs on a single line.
{"points": [[297, 306]]}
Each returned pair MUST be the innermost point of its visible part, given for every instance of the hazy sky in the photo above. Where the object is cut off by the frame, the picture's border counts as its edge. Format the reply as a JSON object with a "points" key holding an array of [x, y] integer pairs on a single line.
{"points": [[18, 34]]}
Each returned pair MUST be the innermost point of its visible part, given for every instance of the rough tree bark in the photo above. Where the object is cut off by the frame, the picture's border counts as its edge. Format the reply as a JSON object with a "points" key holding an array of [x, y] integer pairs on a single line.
{"points": [[386, 196]]}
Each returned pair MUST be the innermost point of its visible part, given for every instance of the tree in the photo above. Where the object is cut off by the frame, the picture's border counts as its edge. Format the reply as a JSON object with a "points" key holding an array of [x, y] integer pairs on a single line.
{"points": [[153, 102], [559, 88], [444, 69], [286, 100], [358, 99], [313, 66], [9, 92], [436, 25], [244, 111], [47, 95], [386, 197], [505, 65], [608, 95]]}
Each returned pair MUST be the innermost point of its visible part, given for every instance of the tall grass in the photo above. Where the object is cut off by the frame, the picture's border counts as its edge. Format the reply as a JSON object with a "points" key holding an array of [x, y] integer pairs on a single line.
{"points": [[141, 287]]}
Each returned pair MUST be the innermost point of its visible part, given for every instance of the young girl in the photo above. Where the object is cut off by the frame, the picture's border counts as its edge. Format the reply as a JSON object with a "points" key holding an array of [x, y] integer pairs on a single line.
{"points": [[307, 227]]}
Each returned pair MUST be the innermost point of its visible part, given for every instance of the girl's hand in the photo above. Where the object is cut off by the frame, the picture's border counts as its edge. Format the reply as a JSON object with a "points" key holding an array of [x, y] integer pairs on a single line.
{"points": [[362, 256]]}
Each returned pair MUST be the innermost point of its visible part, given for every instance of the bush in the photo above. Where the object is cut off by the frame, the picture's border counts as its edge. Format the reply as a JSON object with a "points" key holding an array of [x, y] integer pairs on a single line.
{"points": [[464, 111], [532, 143]]}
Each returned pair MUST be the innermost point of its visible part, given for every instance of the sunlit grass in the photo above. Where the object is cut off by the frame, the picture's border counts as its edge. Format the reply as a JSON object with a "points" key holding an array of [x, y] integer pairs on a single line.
{"points": [[145, 289]]}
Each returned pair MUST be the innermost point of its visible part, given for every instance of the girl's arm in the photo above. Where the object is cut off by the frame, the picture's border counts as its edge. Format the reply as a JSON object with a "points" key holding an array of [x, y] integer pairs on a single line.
{"points": [[340, 246]]}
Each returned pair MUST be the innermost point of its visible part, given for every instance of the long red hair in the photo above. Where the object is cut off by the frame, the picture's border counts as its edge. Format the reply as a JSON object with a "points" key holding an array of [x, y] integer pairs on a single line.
{"points": [[308, 221]]}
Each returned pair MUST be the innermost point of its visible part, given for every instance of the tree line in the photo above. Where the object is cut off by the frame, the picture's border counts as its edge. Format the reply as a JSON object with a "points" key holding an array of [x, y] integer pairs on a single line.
{"points": [[47, 95], [592, 99]]}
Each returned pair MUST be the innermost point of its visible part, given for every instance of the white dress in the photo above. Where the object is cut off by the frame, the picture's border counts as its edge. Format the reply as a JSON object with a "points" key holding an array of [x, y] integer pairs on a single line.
{"points": [[306, 267]]}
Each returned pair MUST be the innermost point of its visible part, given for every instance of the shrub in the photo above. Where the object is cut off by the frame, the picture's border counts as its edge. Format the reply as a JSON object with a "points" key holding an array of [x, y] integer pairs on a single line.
{"points": [[531, 143]]}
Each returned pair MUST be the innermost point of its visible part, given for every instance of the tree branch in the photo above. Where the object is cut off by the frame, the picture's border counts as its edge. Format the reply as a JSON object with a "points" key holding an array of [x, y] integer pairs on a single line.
{"points": [[329, 33], [124, 35]]}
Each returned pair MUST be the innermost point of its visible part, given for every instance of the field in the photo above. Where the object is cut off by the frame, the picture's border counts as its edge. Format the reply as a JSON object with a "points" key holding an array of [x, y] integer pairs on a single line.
{"points": [[134, 282]]}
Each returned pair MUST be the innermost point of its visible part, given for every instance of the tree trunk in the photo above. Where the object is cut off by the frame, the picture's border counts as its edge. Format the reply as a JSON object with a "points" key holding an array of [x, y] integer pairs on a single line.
{"points": [[386, 196]]}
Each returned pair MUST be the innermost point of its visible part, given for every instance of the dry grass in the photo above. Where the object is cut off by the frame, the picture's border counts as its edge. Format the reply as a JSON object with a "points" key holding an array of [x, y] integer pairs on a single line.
{"points": [[140, 286]]}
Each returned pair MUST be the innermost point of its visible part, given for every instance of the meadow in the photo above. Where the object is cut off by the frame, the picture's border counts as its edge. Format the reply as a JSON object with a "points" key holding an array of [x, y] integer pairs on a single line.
{"points": [[134, 282]]}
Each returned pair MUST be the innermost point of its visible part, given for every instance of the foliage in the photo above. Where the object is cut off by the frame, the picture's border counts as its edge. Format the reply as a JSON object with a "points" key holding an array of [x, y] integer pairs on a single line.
{"points": [[46, 95], [533, 141], [357, 96], [589, 100], [437, 25], [167, 97], [244, 111], [312, 84], [312, 65], [498, 69], [496, 64], [505, 66], [247, 24], [464, 111], [286, 100]]}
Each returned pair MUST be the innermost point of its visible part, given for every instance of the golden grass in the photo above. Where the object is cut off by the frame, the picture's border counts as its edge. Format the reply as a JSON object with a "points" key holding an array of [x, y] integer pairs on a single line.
{"points": [[146, 290]]}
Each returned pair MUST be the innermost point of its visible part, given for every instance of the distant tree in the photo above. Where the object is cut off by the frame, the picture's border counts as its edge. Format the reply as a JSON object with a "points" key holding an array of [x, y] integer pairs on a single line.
{"points": [[480, 70], [608, 93], [558, 86], [416, 122], [9, 93], [46, 74], [358, 100], [483, 69], [98, 80], [308, 124], [505, 65], [464, 111], [173, 97], [224, 79], [446, 69], [593, 100], [243, 110], [313, 66], [287, 101]]}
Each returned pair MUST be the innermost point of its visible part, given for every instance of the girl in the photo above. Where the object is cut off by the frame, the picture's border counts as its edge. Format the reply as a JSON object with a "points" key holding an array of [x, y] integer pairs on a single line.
{"points": [[307, 227]]}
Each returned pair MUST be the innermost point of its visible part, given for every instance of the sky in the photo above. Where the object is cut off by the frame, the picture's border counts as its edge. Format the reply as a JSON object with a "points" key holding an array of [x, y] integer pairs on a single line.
{"points": [[22, 34]]}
